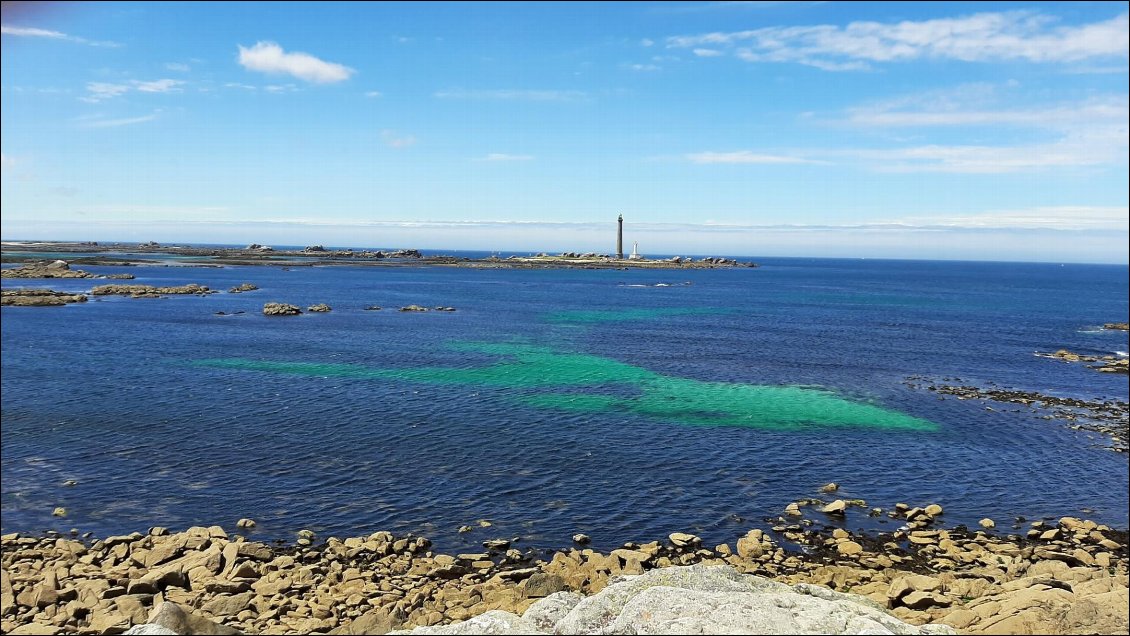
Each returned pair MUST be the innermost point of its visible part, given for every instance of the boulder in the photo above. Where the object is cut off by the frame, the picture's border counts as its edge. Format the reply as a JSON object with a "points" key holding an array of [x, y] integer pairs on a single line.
{"points": [[702, 599], [242, 287], [320, 308], [837, 507], [413, 308], [547, 612], [177, 620]]}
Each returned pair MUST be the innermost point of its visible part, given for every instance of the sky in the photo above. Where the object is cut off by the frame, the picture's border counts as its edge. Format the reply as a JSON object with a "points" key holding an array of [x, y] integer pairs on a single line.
{"points": [[969, 131]]}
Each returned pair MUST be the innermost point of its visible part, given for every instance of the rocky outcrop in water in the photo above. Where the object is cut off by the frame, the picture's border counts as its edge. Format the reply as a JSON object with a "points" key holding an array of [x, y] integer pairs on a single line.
{"points": [[149, 291], [45, 269], [1106, 364], [280, 309], [1117, 326], [1110, 418], [38, 298], [414, 308], [319, 308], [243, 287]]}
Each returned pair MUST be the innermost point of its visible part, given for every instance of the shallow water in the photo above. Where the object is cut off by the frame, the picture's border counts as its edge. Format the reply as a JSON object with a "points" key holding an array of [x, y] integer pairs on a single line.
{"points": [[555, 401]]}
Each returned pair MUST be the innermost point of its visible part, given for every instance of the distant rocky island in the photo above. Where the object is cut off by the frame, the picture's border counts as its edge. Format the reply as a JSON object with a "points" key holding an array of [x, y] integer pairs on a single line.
{"points": [[124, 254]]}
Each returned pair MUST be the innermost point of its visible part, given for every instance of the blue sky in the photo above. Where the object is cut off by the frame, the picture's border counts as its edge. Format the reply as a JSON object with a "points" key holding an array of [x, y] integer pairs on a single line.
{"points": [[993, 131]]}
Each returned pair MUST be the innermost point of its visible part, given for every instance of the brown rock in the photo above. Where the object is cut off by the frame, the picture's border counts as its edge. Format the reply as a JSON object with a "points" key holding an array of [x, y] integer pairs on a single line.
{"points": [[378, 621], [225, 605], [837, 507]]}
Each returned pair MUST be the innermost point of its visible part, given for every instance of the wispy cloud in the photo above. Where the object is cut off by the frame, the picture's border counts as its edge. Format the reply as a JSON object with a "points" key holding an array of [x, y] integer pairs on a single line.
{"points": [[32, 32], [746, 156], [707, 52], [373, 94], [101, 91], [982, 37], [393, 139], [1070, 152], [178, 67], [115, 123], [268, 57], [643, 68], [501, 156], [281, 88], [518, 94], [159, 86], [1064, 217], [1090, 132], [976, 104]]}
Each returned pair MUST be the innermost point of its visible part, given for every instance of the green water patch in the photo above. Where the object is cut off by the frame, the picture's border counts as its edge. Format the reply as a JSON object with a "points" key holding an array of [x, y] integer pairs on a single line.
{"points": [[546, 378], [595, 316]]}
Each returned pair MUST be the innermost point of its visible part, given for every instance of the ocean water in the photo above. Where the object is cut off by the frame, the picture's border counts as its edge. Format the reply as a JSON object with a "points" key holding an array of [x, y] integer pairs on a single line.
{"points": [[622, 404]]}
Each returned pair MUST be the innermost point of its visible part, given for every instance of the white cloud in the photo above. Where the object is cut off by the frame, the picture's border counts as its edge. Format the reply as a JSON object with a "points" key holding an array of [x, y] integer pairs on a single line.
{"points": [[501, 156], [708, 52], [982, 37], [115, 123], [647, 42], [745, 156], [1068, 152], [1090, 132], [281, 88], [246, 87], [178, 67], [373, 94], [158, 86], [268, 57], [1065, 217], [32, 32], [100, 91], [393, 139], [643, 68], [518, 94]]}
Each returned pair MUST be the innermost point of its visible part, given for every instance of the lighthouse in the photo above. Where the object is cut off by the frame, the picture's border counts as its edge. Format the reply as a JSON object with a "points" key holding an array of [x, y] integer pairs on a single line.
{"points": [[620, 238]]}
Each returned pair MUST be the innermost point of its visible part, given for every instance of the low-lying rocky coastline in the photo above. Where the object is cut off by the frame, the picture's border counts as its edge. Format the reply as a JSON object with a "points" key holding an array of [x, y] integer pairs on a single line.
{"points": [[256, 254], [1106, 364], [1108, 417], [22, 297], [53, 269], [1049, 576]]}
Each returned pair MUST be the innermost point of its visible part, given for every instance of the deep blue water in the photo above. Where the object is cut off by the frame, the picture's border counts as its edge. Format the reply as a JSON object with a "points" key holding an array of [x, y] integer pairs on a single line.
{"points": [[113, 394]]}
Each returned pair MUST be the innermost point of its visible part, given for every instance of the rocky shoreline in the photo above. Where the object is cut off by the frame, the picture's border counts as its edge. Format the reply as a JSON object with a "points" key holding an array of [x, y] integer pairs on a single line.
{"points": [[1056, 577], [256, 254]]}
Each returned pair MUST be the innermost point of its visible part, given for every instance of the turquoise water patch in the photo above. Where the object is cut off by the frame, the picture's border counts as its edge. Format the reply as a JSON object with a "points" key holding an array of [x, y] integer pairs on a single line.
{"points": [[576, 382]]}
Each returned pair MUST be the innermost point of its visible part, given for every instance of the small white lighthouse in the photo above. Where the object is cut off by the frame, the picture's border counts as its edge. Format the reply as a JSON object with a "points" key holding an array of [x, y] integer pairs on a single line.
{"points": [[635, 255]]}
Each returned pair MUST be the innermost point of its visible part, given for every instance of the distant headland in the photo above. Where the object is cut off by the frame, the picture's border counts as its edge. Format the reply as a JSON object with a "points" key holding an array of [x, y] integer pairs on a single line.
{"points": [[118, 253]]}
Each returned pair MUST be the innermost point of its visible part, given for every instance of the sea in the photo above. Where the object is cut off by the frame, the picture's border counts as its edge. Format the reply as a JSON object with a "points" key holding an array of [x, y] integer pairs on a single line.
{"points": [[623, 404]]}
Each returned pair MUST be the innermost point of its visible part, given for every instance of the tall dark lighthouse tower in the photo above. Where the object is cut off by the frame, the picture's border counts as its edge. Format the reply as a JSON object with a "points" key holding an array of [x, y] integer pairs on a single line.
{"points": [[620, 238]]}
